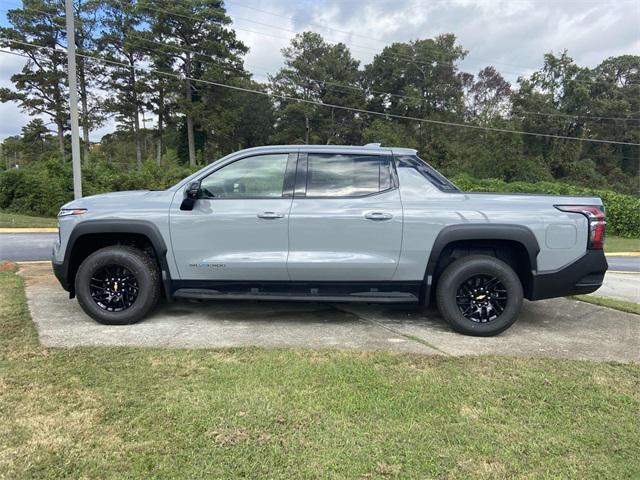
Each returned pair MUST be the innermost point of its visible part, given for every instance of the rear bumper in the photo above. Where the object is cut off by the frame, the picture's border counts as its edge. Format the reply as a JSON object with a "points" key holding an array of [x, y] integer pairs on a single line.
{"points": [[585, 275]]}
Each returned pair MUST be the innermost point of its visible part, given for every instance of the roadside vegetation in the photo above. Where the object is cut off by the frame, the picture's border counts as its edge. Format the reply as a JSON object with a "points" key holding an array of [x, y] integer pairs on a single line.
{"points": [[15, 220], [619, 244], [129, 412], [622, 305]]}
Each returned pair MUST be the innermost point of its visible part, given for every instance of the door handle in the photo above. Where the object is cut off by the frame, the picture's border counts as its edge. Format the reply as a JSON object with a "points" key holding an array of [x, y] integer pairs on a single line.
{"points": [[378, 216], [270, 215]]}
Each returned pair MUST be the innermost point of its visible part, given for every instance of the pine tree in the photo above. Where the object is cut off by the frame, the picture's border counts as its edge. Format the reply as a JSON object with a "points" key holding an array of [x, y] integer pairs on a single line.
{"points": [[87, 22], [317, 71], [40, 87], [125, 53], [195, 34]]}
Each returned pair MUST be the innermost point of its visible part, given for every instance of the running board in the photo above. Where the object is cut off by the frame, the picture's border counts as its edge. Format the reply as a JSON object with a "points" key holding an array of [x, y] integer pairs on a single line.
{"points": [[360, 297]]}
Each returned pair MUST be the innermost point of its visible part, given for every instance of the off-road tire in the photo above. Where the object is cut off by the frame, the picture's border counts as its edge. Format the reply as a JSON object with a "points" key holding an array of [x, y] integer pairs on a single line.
{"points": [[143, 267], [471, 267]]}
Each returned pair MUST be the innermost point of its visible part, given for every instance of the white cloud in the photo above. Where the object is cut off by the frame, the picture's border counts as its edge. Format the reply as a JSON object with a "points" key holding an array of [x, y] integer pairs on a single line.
{"points": [[11, 118], [513, 35]]}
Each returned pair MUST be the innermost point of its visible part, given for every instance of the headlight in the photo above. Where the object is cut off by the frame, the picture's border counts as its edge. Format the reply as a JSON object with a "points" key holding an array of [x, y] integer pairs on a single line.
{"points": [[65, 212]]}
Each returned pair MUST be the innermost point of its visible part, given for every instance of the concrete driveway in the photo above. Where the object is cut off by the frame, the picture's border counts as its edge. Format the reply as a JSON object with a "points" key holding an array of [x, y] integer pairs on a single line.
{"points": [[623, 286], [552, 328]]}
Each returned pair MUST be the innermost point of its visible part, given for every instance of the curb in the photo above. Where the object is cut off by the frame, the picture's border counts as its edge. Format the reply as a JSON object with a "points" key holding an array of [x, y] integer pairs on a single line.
{"points": [[622, 254], [30, 230]]}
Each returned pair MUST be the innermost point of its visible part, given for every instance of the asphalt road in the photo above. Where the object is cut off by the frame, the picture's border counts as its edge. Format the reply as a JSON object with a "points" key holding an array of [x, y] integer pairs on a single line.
{"points": [[624, 264], [21, 247]]}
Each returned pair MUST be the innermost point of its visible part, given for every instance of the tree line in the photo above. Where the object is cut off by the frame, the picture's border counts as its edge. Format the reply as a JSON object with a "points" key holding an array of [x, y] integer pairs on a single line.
{"points": [[163, 70]]}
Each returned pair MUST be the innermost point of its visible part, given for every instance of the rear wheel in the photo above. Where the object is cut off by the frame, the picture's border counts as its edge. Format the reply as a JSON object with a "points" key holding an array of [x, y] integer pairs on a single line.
{"points": [[479, 295], [117, 285]]}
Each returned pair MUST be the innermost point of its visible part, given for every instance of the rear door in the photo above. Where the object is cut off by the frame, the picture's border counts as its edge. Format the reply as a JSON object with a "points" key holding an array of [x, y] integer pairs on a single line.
{"points": [[237, 229], [346, 219]]}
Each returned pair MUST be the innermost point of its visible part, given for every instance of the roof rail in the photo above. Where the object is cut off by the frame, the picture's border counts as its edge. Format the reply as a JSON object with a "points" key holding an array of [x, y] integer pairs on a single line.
{"points": [[373, 145]]}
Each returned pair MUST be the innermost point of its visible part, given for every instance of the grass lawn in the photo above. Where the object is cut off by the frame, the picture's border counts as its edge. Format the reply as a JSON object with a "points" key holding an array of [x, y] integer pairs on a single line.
{"points": [[622, 305], [160, 413], [14, 220], [620, 244]]}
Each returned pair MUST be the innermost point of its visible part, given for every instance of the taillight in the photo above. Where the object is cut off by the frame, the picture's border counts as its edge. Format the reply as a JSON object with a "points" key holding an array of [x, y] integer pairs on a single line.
{"points": [[597, 222]]}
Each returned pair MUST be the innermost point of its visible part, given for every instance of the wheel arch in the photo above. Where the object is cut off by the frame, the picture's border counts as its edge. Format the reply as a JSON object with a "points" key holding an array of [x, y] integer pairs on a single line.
{"points": [[89, 236], [515, 244]]}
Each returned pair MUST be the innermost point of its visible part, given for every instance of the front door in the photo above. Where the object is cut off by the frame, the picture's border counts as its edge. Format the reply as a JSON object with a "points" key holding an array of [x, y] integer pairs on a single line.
{"points": [[237, 229], [346, 219]]}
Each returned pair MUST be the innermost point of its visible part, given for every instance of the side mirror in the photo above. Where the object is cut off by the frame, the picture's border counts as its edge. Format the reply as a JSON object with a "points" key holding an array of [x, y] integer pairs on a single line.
{"points": [[190, 196]]}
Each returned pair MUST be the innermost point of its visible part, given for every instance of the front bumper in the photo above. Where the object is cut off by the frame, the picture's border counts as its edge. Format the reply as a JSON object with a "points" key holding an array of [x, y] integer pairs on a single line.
{"points": [[585, 275], [60, 271]]}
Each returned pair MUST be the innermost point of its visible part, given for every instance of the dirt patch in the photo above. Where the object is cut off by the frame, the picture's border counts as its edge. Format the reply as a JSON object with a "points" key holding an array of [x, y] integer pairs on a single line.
{"points": [[8, 266]]}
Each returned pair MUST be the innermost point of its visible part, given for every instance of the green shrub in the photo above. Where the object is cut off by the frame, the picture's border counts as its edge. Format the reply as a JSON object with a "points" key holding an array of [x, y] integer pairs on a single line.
{"points": [[623, 211], [41, 188]]}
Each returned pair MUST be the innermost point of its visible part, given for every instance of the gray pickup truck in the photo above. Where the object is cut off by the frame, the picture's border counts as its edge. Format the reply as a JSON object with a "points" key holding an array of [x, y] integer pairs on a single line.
{"points": [[334, 224]]}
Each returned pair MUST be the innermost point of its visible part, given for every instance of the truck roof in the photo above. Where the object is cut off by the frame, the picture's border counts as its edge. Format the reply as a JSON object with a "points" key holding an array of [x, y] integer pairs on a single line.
{"points": [[369, 148]]}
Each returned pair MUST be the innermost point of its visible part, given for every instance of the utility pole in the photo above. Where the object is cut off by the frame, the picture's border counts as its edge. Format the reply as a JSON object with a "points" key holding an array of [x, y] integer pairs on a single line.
{"points": [[73, 100]]}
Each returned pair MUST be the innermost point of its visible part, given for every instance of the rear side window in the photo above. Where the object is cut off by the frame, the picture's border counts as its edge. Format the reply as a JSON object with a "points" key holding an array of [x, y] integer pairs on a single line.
{"points": [[427, 171], [330, 175]]}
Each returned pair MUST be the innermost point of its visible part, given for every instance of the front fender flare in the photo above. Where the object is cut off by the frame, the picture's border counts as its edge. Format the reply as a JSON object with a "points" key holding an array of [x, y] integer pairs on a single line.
{"points": [[115, 226]]}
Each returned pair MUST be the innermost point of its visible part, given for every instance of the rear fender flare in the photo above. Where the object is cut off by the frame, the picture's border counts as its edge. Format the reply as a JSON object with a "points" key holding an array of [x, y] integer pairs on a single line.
{"points": [[455, 233]]}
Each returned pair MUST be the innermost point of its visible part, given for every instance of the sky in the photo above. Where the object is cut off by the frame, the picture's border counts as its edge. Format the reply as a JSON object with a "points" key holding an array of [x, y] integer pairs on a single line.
{"points": [[512, 35]]}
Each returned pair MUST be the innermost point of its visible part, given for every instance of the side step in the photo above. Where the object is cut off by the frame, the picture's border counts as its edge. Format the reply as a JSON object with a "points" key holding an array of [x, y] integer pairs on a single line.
{"points": [[360, 297]]}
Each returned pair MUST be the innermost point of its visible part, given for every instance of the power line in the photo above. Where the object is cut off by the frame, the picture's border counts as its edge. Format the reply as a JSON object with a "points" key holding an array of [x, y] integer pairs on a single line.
{"points": [[348, 87], [346, 32], [585, 155], [259, 68], [576, 115], [353, 87], [405, 58], [328, 82], [15, 53], [356, 88], [341, 107], [362, 89]]}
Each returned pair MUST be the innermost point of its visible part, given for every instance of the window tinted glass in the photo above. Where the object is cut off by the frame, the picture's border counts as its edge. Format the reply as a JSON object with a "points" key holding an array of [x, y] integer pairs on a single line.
{"points": [[259, 176], [386, 181], [427, 171], [345, 175]]}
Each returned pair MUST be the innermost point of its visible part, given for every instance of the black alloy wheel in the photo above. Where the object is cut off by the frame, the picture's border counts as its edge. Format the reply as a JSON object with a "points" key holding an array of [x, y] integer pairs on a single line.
{"points": [[482, 298], [114, 288], [479, 295], [118, 285]]}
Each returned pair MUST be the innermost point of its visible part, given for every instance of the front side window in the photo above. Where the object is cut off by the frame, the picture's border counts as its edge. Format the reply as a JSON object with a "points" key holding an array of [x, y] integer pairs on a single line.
{"points": [[253, 177], [330, 175]]}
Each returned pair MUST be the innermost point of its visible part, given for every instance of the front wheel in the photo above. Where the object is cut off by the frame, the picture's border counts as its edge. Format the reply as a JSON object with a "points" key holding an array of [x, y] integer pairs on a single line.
{"points": [[479, 295], [117, 285]]}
